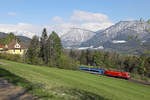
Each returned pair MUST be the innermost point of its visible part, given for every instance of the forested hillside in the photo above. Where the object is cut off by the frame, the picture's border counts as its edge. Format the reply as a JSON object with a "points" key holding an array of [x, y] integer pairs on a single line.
{"points": [[7, 38]]}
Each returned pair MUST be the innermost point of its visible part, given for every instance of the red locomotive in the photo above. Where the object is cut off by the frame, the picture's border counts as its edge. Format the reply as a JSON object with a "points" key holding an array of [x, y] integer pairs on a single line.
{"points": [[117, 74]]}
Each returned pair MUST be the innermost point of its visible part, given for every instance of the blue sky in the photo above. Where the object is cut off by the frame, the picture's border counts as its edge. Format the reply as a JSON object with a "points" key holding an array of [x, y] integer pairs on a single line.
{"points": [[28, 17], [40, 12]]}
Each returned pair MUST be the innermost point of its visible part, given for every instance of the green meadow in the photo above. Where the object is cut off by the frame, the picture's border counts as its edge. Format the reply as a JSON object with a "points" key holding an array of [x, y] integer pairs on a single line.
{"points": [[58, 84]]}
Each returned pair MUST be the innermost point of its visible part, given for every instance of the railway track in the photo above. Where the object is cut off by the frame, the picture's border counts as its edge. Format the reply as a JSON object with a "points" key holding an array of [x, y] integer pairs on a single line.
{"points": [[140, 82], [131, 80]]}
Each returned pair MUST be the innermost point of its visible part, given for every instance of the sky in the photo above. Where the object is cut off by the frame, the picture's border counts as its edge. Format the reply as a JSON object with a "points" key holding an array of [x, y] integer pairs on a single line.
{"points": [[29, 16]]}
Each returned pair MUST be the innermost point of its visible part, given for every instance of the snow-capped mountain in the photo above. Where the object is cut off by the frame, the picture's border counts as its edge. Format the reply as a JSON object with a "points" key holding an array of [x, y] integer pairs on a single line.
{"points": [[19, 32], [120, 32], [124, 36], [25, 33], [75, 36]]}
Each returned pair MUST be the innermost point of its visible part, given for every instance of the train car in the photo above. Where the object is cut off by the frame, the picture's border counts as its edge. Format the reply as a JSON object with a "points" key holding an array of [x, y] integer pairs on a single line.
{"points": [[97, 71], [84, 68], [93, 70], [100, 71], [117, 74]]}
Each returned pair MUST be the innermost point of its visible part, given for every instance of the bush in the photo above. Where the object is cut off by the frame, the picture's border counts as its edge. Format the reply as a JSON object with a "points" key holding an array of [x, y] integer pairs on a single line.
{"points": [[34, 61], [12, 57], [67, 63]]}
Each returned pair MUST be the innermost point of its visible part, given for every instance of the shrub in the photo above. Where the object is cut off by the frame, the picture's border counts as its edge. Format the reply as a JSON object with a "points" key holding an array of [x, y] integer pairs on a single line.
{"points": [[67, 63], [12, 57]]}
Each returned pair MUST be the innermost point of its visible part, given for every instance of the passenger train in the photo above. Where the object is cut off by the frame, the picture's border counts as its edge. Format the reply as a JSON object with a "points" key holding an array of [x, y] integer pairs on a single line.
{"points": [[118, 74]]}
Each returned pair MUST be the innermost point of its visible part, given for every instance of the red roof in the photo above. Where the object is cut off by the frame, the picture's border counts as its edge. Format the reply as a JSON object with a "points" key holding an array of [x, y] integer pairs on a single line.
{"points": [[2, 46], [13, 43]]}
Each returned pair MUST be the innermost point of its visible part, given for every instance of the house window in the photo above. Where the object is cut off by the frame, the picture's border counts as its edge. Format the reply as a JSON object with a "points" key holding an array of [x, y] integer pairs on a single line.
{"points": [[17, 46]]}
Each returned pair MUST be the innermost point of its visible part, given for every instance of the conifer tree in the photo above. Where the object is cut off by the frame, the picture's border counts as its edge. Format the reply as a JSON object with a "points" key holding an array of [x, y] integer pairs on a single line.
{"points": [[82, 58], [72, 54], [43, 42], [33, 51], [54, 48]]}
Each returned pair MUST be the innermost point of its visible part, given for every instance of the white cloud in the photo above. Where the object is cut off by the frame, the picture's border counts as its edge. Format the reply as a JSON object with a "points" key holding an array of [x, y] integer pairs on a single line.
{"points": [[90, 21], [89, 17], [12, 13], [21, 29], [79, 19], [96, 26]]}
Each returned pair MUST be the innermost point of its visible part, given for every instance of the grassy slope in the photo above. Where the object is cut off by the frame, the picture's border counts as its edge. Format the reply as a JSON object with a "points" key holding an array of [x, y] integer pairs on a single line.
{"points": [[69, 85]]}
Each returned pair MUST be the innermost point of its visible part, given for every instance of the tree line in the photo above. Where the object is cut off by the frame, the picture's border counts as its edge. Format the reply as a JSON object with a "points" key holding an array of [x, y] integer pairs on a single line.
{"points": [[8, 38], [48, 50], [106, 60]]}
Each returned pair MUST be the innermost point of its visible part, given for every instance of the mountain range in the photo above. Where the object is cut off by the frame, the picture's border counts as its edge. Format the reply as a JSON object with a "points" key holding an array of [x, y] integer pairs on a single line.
{"points": [[120, 31], [75, 36], [124, 36]]}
